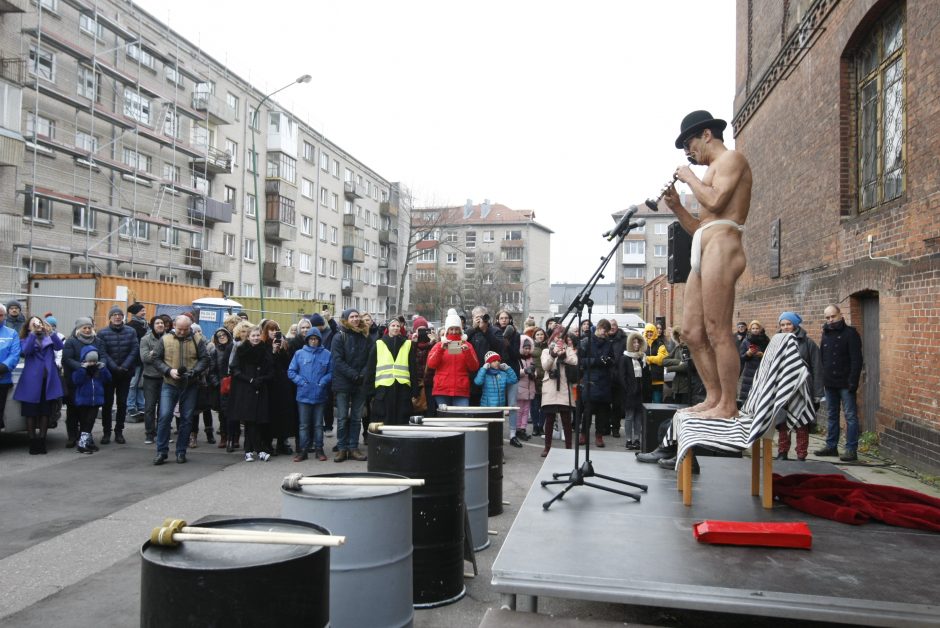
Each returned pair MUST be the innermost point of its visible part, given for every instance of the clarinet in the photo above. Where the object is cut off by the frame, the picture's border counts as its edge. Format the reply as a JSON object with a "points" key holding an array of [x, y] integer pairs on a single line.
{"points": [[653, 204]]}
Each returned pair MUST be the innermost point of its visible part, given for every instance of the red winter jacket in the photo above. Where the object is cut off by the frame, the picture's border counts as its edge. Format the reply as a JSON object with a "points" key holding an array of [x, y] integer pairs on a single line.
{"points": [[452, 371]]}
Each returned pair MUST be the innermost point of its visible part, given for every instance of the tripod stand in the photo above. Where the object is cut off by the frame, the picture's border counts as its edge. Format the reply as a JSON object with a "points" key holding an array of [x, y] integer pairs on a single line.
{"points": [[579, 475]]}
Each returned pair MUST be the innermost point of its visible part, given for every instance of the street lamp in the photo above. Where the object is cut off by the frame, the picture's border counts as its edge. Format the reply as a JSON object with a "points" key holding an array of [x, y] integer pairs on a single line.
{"points": [[525, 295], [254, 156]]}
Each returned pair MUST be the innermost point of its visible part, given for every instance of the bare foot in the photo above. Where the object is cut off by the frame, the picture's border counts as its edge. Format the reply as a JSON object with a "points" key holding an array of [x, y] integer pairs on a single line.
{"points": [[720, 412], [701, 407]]}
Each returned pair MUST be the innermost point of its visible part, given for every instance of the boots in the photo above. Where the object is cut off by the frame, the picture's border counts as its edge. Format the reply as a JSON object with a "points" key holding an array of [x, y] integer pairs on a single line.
{"points": [[33, 445], [210, 436], [549, 430], [233, 443], [42, 445], [223, 443], [598, 440], [84, 444], [582, 439]]}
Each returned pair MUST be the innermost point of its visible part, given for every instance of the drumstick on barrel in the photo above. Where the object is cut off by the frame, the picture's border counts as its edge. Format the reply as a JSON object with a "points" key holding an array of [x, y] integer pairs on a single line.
{"points": [[295, 480], [174, 531], [473, 409], [377, 428], [420, 420]]}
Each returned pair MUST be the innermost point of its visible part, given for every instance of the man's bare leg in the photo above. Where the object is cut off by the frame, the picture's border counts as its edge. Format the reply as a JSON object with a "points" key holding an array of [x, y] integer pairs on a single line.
{"points": [[722, 263], [693, 331]]}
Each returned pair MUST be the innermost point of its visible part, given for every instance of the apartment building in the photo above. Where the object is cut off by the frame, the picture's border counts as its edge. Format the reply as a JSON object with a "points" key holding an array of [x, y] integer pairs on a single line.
{"points": [[130, 151], [484, 254], [645, 252]]}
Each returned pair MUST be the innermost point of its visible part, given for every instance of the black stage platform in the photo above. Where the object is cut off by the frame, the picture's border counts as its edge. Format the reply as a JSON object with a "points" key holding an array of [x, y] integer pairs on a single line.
{"points": [[594, 545]]}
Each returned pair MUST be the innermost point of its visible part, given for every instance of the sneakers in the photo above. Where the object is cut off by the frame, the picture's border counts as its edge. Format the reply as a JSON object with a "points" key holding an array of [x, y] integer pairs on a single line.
{"points": [[826, 451], [514, 441], [340, 456], [148, 440], [264, 456], [849, 456], [633, 445], [249, 456], [358, 456], [300, 457], [119, 438]]}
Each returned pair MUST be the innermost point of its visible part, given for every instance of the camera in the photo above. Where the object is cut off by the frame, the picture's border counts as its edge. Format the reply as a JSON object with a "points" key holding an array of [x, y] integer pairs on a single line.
{"points": [[530, 370], [553, 374], [686, 354]]}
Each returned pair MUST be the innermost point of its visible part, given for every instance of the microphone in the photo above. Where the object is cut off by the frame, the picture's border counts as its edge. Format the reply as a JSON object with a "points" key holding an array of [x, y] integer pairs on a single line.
{"points": [[636, 225], [623, 224]]}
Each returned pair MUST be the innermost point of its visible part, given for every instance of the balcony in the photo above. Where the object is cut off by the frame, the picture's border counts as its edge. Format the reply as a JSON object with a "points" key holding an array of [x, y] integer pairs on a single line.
{"points": [[217, 111], [209, 261], [511, 244], [383, 291], [13, 69], [277, 231], [388, 236], [209, 210], [12, 6], [275, 273], [352, 286], [383, 262], [213, 162], [352, 220], [388, 209], [275, 186], [353, 255], [511, 264], [353, 190]]}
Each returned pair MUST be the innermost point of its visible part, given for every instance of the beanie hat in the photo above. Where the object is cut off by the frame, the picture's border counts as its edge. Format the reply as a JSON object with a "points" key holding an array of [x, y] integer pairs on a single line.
{"points": [[135, 308], [793, 317], [52, 320], [91, 356], [115, 310], [347, 313], [317, 321], [418, 321], [452, 320], [81, 321], [491, 356], [14, 303]]}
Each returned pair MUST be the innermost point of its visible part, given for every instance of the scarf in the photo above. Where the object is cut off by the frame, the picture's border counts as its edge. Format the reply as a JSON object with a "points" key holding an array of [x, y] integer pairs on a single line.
{"points": [[85, 340]]}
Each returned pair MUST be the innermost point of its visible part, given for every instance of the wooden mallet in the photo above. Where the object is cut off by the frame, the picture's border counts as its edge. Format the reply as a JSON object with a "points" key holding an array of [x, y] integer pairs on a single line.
{"points": [[174, 531], [294, 481]]}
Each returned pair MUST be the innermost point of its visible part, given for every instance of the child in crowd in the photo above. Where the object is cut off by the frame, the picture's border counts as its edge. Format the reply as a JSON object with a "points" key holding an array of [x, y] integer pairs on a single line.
{"points": [[89, 382], [310, 371], [527, 384], [494, 378]]}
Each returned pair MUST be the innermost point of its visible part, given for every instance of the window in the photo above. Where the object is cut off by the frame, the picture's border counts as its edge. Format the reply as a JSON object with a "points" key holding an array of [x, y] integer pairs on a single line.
{"points": [[489, 257], [661, 228], [634, 247], [309, 151], [425, 276], [40, 209], [659, 270], [136, 106], [659, 250], [321, 266], [632, 294], [470, 239], [137, 229], [253, 119], [512, 255], [470, 261], [282, 166], [248, 249], [348, 175], [171, 173], [232, 101], [50, 5], [515, 234], [334, 201], [333, 269], [515, 276], [39, 126], [228, 245], [88, 81], [136, 160], [173, 76], [427, 255], [322, 231], [334, 168], [306, 188], [200, 240], [304, 263], [171, 236], [274, 253], [451, 258], [347, 207], [633, 272], [134, 51], [430, 234], [281, 208], [248, 289], [879, 67], [86, 141], [488, 236], [324, 196], [227, 288], [171, 124], [251, 160], [231, 147], [450, 237], [228, 195], [334, 232], [41, 63], [251, 205], [324, 162], [83, 218], [89, 26], [306, 225]]}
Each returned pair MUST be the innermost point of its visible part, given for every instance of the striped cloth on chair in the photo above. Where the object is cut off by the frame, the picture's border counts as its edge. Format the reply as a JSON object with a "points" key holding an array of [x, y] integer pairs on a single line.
{"points": [[781, 393]]}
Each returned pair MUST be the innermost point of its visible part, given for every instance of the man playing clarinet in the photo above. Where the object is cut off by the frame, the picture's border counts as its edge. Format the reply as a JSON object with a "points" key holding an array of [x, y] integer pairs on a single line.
{"points": [[724, 193]]}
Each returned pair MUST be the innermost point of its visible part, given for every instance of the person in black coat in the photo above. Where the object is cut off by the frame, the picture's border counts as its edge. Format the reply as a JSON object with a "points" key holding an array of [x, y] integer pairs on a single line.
{"points": [[282, 395], [482, 337], [351, 348], [618, 338], [752, 352], [82, 336], [221, 356], [841, 354], [635, 385], [121, 356], [252, 368], [598, 366]]}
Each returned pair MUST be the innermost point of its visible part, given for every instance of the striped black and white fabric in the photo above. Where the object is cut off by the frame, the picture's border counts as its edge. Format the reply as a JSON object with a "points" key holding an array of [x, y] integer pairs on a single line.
{"points": [[781, 393]]}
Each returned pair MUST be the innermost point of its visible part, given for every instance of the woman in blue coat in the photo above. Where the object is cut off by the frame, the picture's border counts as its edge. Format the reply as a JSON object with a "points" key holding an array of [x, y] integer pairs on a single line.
{"points": [[39, 390]]}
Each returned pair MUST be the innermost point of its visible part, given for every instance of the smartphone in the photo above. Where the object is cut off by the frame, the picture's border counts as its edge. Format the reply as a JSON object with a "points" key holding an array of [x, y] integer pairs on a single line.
{"points": [[454, 347], [278, 337]]}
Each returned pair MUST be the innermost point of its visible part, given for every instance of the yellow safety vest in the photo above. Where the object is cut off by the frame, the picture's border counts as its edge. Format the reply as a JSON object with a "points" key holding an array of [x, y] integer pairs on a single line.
{"points": [[389, 370]]}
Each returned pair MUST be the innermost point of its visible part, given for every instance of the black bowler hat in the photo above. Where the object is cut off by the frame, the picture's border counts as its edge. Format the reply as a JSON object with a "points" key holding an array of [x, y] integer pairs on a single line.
{"points": [[695, 122]]}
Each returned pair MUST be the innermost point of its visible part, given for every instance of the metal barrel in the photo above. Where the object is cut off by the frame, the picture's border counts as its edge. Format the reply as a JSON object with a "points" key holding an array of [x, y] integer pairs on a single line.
{"points": [[475, 486], [495, 457], [376, 558], [236, 584], [437, 509]]}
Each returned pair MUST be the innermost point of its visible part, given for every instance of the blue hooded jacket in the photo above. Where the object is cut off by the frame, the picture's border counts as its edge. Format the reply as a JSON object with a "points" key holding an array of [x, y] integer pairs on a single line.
{"points": [[90, 380], [310, 371], [494, 383]]}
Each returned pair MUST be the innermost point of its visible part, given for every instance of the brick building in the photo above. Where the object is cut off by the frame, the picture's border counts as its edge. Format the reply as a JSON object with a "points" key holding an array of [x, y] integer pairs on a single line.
{"points": [[836, 109]]}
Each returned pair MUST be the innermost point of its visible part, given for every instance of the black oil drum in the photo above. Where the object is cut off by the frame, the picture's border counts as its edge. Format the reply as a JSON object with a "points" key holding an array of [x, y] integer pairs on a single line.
{"points": [[237, 584], [437, 509], [495, 486]]}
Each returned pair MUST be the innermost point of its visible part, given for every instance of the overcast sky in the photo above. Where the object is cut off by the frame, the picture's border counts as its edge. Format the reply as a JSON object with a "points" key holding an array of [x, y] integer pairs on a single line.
{"points": [[567, 108]]}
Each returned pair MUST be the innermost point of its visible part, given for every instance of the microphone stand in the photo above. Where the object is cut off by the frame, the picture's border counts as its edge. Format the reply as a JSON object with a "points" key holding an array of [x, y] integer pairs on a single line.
{"points": [[583, 470]]}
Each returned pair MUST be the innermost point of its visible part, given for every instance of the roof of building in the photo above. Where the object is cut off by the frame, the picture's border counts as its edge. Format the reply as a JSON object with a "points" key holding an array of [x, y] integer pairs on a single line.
{"points": [[483, 214]]}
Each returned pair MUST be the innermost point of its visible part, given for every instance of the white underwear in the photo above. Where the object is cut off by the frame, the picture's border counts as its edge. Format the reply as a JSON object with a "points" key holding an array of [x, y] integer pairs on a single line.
{"points": [[697, 241]]}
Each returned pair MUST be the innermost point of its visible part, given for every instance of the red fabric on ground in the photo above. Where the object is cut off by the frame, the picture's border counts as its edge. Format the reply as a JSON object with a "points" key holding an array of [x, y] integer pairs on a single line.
{"points": [[840, 499]]}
